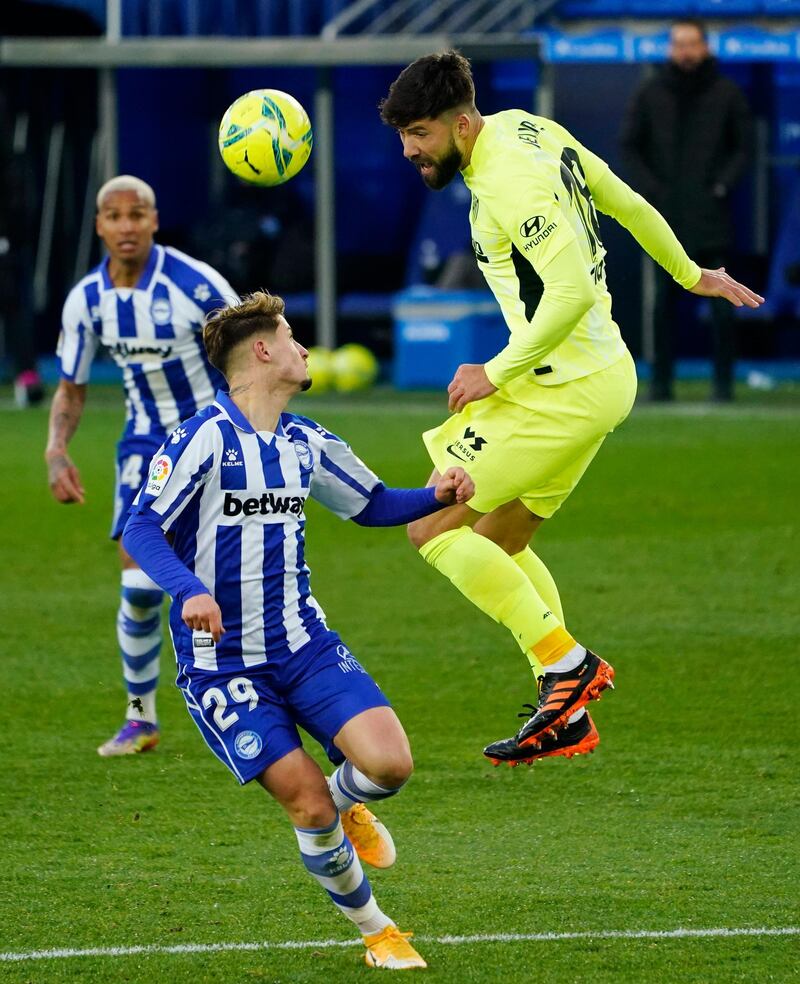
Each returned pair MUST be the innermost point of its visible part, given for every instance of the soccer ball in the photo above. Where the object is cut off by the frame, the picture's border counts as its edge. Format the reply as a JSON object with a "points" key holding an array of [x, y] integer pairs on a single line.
{"points": [[354, 368], [320, 369], [265, 137]]}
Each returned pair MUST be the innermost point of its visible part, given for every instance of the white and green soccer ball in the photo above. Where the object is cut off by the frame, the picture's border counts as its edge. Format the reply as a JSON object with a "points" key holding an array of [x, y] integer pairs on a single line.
{"points": [[265, 137]]}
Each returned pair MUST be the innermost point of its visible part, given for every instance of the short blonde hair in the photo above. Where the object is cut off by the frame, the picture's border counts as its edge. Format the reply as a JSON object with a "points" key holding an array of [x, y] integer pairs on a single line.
{"points": [[127, 182], [228, 326]]}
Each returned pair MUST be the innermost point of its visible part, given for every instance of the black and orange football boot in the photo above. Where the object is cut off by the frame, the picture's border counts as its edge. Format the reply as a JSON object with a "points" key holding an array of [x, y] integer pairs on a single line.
{"points": [[577, 738], [562, 694]]}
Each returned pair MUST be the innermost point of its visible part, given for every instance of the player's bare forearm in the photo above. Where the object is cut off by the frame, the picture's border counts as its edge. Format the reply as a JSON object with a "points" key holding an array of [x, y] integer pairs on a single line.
{"points": [[454, 487], [717, 283], [65, 415]]}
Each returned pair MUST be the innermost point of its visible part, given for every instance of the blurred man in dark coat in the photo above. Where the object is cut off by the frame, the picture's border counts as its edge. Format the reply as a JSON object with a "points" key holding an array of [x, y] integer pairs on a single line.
{"points": [[687, 140]]}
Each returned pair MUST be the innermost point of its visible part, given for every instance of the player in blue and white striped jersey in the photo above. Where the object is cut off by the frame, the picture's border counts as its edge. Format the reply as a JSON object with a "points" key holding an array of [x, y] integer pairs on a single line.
{"points": [[146, 305], [256, 658]]}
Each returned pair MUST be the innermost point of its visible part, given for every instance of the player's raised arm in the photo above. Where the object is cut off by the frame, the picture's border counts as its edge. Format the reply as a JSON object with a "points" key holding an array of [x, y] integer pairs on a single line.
{"points": [[650, 229], [65, 415]]}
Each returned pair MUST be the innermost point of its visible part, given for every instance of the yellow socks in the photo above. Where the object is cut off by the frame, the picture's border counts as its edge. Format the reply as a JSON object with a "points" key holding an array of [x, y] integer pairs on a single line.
{"points": [[541, 579], [502, 587]]}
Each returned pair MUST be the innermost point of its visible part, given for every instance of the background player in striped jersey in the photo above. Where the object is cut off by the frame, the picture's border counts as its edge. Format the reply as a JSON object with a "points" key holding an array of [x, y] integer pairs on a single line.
{"points": [[530, 421], [255, 655], [146, 304]]}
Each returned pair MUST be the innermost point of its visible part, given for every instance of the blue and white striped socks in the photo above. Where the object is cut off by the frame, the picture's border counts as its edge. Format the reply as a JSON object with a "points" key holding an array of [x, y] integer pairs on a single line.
{"points": [[139, 636], [349, 786], [329, 857]]}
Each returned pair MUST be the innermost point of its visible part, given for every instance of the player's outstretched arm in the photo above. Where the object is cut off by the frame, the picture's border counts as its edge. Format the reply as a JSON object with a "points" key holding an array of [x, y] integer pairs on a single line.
{"points": [[717, 283], [65, 415], [397, 507]]}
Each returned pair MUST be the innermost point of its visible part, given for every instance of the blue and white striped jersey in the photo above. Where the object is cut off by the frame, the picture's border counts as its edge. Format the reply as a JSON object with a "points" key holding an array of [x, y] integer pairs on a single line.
{"points": [[232, 500], [154, 333]]}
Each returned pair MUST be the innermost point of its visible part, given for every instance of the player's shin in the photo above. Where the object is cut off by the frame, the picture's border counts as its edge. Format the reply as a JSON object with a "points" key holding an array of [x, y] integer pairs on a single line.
{"points": [[329, 857], [350, 790], [485, 574], [139, 636], [540, 577]]}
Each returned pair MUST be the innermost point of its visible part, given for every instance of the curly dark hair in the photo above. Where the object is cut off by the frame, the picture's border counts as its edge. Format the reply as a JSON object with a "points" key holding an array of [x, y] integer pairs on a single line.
{"points": [[427, 88]]}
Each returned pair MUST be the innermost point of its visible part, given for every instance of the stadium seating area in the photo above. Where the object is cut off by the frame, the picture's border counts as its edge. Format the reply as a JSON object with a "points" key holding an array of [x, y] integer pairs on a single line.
{"points": [[264, 18]]}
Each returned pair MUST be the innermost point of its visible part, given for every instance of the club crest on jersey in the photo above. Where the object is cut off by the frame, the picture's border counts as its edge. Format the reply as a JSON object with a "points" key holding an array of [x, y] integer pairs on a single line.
{"points": [[248, 744], [159, 474], [304, 454], [161, 311]]}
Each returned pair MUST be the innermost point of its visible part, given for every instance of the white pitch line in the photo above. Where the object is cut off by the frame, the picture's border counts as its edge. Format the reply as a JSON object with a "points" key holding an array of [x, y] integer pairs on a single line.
{"points": [[610, 934]]}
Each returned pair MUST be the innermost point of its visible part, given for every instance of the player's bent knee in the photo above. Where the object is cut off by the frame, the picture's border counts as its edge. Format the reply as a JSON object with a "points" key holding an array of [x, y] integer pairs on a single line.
{"points": [[311, 811], [394, 771]]}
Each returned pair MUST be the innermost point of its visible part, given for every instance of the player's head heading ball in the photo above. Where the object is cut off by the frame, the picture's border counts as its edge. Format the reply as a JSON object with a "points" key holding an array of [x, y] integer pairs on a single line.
{"points": [[427, 88], [431, 104], [242, 337]]}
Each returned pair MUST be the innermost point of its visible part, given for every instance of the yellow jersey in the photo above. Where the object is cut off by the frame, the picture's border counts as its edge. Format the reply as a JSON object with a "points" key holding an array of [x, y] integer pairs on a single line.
{"points": [[536, 238]]}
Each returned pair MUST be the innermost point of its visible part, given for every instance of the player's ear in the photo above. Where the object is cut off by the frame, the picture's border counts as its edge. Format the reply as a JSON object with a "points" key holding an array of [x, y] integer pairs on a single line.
{"points": [[261, 350], [155, 220], [463, 124]]}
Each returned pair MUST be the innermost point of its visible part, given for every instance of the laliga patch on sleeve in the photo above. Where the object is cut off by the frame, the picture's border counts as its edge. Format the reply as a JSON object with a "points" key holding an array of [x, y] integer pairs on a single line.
{"points": [[159, 473]]}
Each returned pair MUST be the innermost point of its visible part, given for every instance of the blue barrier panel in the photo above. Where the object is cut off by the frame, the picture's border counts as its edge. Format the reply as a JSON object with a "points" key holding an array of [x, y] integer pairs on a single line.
{"points": [[614, 45], [754, 44], [435, 331], [598, 46], [651, 47]]}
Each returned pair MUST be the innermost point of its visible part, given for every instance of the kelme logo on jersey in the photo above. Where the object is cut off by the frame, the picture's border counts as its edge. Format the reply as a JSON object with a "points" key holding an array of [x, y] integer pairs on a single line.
{"points": [[537, 229], [159, 473], [267, 505], [232, 459], [248, 744]]}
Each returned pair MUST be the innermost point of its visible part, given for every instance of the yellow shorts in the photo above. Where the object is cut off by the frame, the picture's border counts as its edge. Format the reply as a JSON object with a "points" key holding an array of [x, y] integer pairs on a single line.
{"points": [[536, 452]]}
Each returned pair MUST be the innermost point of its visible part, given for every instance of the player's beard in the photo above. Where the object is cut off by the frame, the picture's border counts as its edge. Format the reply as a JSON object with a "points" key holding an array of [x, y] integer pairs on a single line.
{"points": [[306, 384], [444, 170]]}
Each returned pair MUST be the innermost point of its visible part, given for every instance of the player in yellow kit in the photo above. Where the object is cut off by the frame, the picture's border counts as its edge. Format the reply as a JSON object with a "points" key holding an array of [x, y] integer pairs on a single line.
{"points": [[529, 421]]}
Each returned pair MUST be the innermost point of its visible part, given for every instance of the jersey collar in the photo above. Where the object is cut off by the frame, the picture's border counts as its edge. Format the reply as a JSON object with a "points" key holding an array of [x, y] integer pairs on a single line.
{"points": [[146, 277], [237, 418]]}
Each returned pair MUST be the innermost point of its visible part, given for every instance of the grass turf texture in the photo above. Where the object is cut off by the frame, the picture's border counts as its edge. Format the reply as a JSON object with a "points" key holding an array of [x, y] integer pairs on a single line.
{"points": [[677, 559]]}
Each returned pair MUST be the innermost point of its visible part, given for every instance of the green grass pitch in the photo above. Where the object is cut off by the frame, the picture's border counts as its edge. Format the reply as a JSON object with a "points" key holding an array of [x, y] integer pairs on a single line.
{"points": [[677, 559]]}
